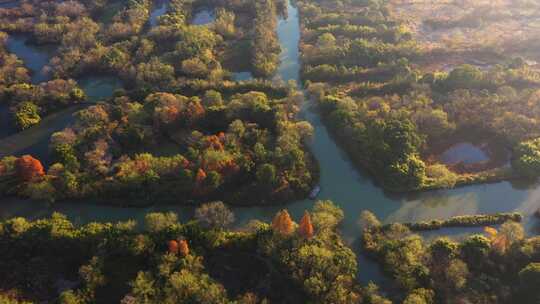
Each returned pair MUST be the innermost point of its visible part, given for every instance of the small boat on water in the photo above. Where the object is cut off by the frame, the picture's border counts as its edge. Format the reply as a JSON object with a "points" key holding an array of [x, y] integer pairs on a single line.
{"points": [[313, 194]]}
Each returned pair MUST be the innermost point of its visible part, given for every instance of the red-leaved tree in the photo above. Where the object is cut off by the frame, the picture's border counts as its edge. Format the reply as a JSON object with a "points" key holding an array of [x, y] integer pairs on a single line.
{"points": [[173, 246], [28, 168]]}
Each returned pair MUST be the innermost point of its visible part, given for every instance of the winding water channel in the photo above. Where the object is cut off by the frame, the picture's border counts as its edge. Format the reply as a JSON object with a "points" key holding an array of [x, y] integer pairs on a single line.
{"points": [[35, 140], [340, 182]]}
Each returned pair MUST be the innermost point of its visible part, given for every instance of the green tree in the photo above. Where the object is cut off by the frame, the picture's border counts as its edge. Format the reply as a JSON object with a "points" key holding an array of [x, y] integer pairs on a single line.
{"points": [[463, 77], [420, 296], [143, 288], [65, 154], [266, 175], [212, 98], [326, 215], [224, 24], [530, 280], [527, 158], [69, 297], [27, 115], [407, 174], [368, 220], [475, 250], [156, 221]]}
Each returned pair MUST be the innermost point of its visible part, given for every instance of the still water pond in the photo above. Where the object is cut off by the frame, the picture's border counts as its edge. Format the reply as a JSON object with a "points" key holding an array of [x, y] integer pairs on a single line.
{"points": [[340, 182], [203, 16], [466, 153]]}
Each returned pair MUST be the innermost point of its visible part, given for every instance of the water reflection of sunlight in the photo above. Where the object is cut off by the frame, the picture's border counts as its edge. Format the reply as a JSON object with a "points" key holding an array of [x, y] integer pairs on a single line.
{"points": [[435, 207], [528, 207], [531, 204], [464, 152]]}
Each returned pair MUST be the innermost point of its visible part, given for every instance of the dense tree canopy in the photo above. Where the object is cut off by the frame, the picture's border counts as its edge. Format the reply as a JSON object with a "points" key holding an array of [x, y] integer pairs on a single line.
{"points": [[28, 168], [182, 131], [527, 158], [478, 268], [172, 262], [395, 115]]}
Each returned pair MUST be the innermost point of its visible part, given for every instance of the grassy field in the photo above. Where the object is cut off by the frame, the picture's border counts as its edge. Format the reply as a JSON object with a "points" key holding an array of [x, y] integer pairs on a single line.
{"points": [[473, 29]]}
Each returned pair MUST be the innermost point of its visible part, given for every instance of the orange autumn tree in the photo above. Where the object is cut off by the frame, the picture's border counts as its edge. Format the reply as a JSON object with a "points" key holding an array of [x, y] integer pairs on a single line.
{"points": [[173, 246], [305, 229], [283, 223], [192, 112], [183, 248], [503, 238], [214, 141], [497, 240], [200, 177], [28, 168]]}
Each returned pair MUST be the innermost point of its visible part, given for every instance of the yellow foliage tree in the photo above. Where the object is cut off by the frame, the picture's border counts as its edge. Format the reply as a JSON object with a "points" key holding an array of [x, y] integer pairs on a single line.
{"points": [[498, 241], [305, 229], [283, 223], [491, 232]]}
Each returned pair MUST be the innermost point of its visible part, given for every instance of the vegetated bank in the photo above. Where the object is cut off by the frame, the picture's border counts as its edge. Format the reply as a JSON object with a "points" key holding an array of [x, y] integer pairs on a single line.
{"points": [[198, 262], [361, 65], [501, 266], [182, 132], [201, 261], [465, 221]]}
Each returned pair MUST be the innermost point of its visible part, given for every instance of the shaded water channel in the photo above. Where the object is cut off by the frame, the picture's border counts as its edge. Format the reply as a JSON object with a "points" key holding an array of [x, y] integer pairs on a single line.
{"points": [[340, 182]]}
